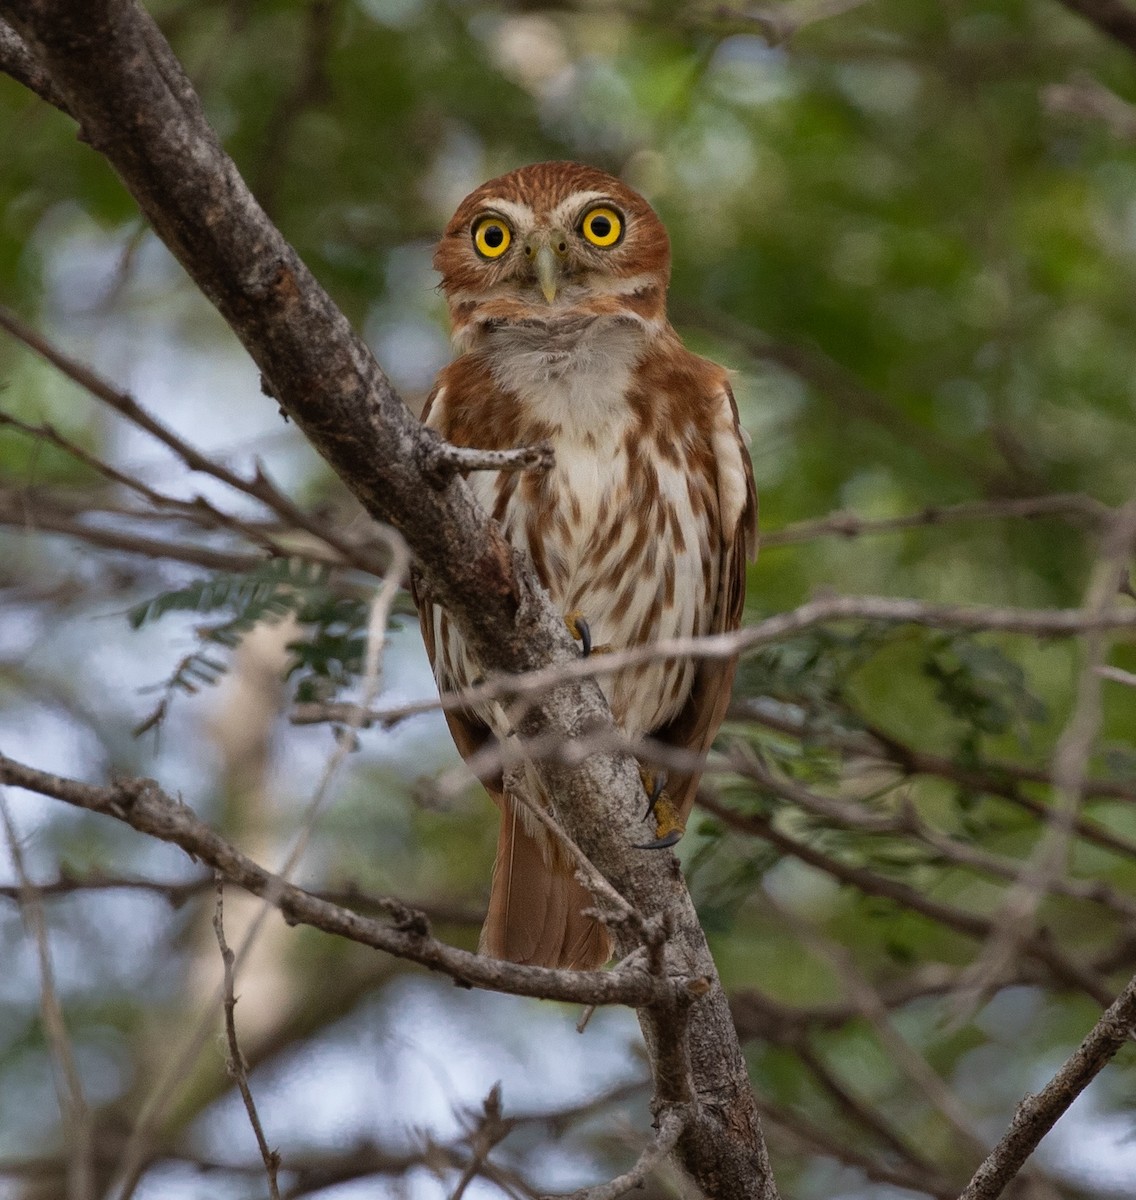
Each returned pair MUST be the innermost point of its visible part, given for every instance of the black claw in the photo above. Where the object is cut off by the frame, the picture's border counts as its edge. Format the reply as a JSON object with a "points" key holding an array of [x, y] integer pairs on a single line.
{"points": [[585, 632], [657, 785], [662, 843]]}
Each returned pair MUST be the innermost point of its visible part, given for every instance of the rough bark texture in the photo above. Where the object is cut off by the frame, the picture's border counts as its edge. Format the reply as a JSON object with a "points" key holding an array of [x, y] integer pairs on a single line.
{"points": [[118, 77]]}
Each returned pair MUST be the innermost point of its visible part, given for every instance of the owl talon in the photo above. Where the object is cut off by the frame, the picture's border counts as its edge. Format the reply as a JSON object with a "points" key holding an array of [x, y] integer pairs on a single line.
{"points": [[661, 843], [653, 784], [669, 826], [579, 628]]}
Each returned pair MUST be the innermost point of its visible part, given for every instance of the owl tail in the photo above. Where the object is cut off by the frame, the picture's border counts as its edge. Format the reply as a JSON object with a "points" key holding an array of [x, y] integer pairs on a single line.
{"points": [[536, 905]]}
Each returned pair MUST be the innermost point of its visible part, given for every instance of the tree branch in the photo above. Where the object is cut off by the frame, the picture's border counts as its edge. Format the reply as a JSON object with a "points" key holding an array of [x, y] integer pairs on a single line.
{"points": [[1036, 1115], [671, 1123], [141, 804], [1110, 16], [235, 1064]]}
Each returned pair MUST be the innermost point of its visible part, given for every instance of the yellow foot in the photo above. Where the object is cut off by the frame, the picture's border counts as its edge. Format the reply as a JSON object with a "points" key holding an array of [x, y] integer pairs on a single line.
{"points": [[669, 826], [579, 628]]}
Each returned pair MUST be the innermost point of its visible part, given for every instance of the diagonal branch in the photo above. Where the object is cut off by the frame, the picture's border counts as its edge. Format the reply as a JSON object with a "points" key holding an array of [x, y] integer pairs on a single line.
{"points": [[671, 1123], [1036, 1115], [141, 804], [1112, 17]]}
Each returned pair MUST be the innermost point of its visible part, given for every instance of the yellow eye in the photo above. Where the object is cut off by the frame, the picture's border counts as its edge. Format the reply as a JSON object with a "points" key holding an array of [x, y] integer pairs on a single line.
{"points": [[491, 236], [602, 226]]}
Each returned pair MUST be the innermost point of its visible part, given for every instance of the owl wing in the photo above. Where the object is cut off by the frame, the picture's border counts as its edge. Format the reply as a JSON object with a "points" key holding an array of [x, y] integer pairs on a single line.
{"points": [[697, 722], [469, 733]]}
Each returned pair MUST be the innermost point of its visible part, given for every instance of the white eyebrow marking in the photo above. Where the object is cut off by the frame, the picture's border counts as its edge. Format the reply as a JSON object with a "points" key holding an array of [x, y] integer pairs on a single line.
{"points": [[520, 216], [567, 210]]}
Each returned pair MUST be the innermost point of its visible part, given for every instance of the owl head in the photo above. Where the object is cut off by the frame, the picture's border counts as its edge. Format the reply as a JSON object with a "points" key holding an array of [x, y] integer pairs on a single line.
{"points": [[553, 241]]}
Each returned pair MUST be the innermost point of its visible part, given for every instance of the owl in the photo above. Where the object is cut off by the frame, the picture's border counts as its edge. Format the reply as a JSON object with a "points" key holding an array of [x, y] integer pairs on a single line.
{"points": [[556, 280]]}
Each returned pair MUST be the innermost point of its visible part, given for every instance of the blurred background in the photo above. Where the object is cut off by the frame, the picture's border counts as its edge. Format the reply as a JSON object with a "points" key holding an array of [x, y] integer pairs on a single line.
{"points": [[911, 232]]}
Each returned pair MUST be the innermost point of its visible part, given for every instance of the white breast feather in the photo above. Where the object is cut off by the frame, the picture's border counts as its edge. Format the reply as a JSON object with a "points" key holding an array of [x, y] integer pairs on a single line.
{"points": [[580, 391]]}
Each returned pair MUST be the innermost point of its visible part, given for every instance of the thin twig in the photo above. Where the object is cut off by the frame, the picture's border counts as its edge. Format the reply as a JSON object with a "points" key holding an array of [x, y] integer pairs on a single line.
{"points": [[441, 460], [1074, 506], [670, 1126], [853, 814], [1117, 675], [586, 870], [490, 1130], [235, 1064], [899, 1050], [871, 883], [1038, 623], [68, 1083]]}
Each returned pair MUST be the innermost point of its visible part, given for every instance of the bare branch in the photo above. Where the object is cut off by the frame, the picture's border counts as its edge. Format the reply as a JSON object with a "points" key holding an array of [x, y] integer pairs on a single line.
{"points": [[900, 1051], [974, 925], [998, 777], [1117, 675], [1073, 506], [1040, 623], [853, 814], [19, 62], [491, 1129], [670, 1126], [236, 1065], [1036, 1115], [441, 460], [69, 1084], [260, 487], [141, 804], [39, 515]]}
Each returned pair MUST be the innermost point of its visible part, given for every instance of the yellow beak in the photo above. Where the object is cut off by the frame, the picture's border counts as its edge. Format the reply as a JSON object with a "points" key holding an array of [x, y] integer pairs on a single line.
{"points": [[547, 268]]}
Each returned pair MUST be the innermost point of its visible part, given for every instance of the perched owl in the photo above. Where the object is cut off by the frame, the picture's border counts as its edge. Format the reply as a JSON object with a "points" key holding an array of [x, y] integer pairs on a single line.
{"points": [[556, 279]]}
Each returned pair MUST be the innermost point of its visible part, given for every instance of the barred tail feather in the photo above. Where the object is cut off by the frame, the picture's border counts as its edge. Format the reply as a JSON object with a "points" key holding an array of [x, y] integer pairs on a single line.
{"points": [[536, 907]]}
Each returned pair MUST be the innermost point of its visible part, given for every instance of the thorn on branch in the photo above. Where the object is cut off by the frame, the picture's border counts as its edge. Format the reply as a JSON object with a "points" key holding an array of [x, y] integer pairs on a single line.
{"points": [[440, 461]]}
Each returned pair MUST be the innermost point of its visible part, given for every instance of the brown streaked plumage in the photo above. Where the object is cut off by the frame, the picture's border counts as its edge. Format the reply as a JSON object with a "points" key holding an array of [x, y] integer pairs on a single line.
{"points": [[556, 278]]}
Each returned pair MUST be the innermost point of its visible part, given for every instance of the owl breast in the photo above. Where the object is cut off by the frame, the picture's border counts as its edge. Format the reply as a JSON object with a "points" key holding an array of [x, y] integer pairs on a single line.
{"points": [[617, 530]]}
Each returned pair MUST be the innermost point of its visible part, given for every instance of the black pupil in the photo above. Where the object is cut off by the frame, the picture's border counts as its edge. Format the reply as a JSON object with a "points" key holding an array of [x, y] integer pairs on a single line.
{"points": [[493, 237], [601, 226]]}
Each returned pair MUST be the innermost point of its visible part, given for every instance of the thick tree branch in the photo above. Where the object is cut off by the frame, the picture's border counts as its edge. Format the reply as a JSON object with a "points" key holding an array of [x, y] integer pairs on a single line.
{"points": [[19, 62]]}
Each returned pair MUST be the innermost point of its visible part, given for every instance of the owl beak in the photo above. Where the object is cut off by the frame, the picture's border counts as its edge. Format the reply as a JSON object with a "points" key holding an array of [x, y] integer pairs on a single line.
{"points": [[546, 260]]}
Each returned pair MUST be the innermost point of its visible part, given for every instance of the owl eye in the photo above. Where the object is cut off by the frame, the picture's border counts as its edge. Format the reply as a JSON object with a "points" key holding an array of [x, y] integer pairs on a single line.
{"points": [[602, 226], [491, 236]]}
